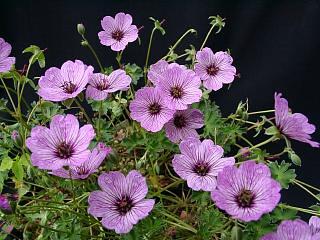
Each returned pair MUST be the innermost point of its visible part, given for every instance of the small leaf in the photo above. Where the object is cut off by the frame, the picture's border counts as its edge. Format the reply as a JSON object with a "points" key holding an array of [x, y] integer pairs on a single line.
{"points": [[17, 170], [282, 173], [6, 163], [67, 103], [273, 130]]}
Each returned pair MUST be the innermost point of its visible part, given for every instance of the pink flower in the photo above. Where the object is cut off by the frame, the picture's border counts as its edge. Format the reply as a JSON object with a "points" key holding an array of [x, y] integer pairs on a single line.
{"points": [[184, 124], [100, 85], [5, 61], [63, 144], [121, 203], [214, 69], [247, 192], [292, 125], [199, 163], [61, 84], [118, 32]]}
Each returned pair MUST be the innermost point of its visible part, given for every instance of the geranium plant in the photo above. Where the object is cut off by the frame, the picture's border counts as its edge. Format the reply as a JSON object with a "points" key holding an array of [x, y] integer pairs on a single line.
{"points": [[143, 152]]}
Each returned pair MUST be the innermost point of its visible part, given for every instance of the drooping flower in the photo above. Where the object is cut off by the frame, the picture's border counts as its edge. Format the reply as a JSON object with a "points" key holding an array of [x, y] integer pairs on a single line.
{"points": [[63, 144], [61, 84], [121, 202], [5, 204], [157, 69], [180, 87], [292, 125], [100, 85], [149, 109], [214, 69], [5, 61], [118, 32], [247, 192], [88, 167], [296, 230], [184, 124], [199, 163]]}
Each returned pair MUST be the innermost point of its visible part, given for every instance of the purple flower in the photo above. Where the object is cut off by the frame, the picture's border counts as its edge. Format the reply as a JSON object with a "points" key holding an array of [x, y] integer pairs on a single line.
{"points": [[100, 85], [156, 70], [296, 230], [5, 204], [214, 69], [121, 202], [88, 167], [149, 109], [61, 84], [5, 61], [184, 124], [118, 32], [15, 135], [63, 144], [247, 192], [199, 163], [294, 126], [179, 87]]}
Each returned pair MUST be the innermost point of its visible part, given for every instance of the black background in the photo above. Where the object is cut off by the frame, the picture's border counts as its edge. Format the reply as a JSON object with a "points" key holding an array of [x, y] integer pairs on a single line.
{"points": [[275, 46]]}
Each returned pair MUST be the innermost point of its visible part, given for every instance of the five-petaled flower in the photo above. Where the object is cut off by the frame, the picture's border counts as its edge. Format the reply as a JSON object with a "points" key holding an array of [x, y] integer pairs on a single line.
{"points": [[61, 84], [5, 61], [247, 192], [100, 85], [118, 32], [214, 69], [149, 109], [292, 125], [88, 167], [63, 144], [121, 202], [199, 163]]}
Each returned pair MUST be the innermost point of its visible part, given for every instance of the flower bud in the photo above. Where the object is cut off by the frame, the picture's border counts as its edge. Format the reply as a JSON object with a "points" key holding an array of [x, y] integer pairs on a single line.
{"points": [[81, 29], [5, 204]]}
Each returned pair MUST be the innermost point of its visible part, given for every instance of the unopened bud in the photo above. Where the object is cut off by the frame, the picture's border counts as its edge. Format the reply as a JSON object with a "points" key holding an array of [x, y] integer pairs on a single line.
{"points": [[81, 29]]}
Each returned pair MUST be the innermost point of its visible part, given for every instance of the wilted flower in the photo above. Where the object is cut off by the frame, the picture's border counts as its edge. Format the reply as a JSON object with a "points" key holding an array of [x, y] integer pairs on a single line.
{"points": [[88, 167], [247, 192], [5, 61], [214, 69], [100, 85], [118, 32], [294, 126], [180, 87], [67, 82], [63, 144], [296, 230], [14, 135], [5, 204], [199, 163], [149, 109], [184, 124], [157, 69], [121, 202]]}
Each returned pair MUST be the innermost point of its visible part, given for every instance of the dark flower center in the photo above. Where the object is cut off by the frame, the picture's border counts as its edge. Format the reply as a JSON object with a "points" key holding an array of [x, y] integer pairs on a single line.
{"points": [[69, 87], [117, 35], [245, 198], [64, 150], [124, 205], [212, 70], [82, 170], [154, 108], [102, 86], [201, 168], [179, 121], [176, 92]]}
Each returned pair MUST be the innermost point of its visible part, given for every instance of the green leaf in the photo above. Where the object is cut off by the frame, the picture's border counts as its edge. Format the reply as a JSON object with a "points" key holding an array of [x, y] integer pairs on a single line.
{"points": [[3, 103], [6, 163], [282, 173], [17, 170], [273, 130], [67, 103], [134, 71], [37, 55], [236, 233]]}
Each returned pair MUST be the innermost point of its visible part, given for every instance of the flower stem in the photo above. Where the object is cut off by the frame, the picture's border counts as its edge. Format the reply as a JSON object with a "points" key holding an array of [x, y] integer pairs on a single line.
{"points": [[207, 36], [300, 209], [8, 93], [307, 185], [145, 69], [83, 111], [72, 187], [259, 112], [99, 120], [307, 190], [94, 53]]}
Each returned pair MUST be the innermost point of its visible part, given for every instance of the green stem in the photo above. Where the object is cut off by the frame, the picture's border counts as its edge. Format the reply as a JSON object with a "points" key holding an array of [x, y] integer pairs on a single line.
{"points": [[207, 36], [178, 222], [148, 54], [72, 187], [307, 185], [259, 112], [83, 111], [94, 54], [8, 93], [258, 145], [307, 190], [300, 209], [99, 120], [14, 92]]}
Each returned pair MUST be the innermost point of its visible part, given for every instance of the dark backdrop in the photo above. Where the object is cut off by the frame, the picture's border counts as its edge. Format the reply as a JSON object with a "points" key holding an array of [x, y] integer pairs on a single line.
{"points": [[275, 46]]}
